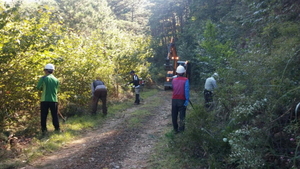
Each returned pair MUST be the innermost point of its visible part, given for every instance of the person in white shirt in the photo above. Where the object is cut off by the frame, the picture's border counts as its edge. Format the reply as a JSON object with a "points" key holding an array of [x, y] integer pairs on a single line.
{"points": [[209, 87]]}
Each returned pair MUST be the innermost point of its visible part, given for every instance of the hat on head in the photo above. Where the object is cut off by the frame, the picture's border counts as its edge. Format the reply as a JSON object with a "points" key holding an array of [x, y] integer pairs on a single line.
{"points": [[180, 69], [215, 75], [49, 66]]}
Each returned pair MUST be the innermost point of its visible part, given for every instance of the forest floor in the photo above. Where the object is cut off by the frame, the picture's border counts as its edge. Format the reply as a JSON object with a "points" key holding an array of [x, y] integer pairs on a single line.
{"points": [[116, 143]]}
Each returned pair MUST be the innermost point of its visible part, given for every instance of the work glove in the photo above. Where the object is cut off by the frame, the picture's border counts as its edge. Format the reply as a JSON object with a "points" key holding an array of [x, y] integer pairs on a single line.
{"points": [[186, 103]]}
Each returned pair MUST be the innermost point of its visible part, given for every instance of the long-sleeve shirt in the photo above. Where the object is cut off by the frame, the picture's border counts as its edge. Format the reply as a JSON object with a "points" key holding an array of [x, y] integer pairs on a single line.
{"points": [[210, 84], [135, 81], [49, 86], [97, 84]]}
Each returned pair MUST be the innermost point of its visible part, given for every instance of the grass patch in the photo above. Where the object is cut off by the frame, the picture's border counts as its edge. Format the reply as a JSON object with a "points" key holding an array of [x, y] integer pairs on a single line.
{"points": [[118, 107], [167, 154], [134, 122], [137, 118], [146, 93], [84, 122], [140, 115], [173, 151]]}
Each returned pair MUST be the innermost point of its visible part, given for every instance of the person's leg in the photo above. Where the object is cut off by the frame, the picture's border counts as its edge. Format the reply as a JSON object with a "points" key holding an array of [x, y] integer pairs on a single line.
{"points": [[210, 97], [54, 110], [137, 95], [174, 114], [137, 98], [207, 95], [44, 113], [182, 112], [95, 101], [135, 101], [103, 97]]}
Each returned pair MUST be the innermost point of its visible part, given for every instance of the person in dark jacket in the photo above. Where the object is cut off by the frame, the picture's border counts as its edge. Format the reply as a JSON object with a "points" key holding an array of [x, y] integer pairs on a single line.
{"points": [[180, 99], [99, 91], [49, 85], [136, 82]]}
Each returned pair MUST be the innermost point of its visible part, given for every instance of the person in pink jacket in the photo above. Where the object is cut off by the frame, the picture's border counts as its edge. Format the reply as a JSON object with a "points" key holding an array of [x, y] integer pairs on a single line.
{"points": [[180, 99]]}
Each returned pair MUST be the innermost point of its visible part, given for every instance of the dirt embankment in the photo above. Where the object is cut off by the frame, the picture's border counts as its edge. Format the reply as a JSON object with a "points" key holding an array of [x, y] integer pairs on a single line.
{"points": [[116, 144]]}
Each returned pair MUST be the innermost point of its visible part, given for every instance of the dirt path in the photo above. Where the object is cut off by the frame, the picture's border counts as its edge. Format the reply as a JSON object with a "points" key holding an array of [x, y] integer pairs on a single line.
{"points": [[115, 144]]}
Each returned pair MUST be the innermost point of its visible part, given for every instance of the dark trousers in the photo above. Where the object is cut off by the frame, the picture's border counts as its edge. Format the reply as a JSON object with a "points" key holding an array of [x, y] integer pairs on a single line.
{"points": [[45, 106], [99, 94], [137, 99], [208, 97], [137, 95], [178, 107]]}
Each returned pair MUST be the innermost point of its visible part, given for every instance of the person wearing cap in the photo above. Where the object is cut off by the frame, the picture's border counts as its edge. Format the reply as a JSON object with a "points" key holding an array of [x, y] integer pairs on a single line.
{"points": [[180, 99], [136, 82], [49, 84], [99, 91], [209, 87]]}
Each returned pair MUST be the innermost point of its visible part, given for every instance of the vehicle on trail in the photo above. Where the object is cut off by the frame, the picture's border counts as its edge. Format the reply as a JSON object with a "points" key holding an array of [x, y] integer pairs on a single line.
{"points": [[171, 67]]}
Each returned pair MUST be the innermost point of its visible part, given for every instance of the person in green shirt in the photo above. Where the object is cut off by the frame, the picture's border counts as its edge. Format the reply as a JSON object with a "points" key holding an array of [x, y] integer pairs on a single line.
{"points": [[49, 84]]}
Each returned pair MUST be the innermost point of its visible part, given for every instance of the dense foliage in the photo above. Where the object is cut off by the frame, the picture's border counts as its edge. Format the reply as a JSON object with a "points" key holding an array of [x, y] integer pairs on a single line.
{"points": [[254, 46]]}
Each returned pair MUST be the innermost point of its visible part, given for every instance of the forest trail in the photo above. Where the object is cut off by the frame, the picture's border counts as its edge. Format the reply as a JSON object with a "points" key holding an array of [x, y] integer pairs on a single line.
{"points": [[115, 144]]}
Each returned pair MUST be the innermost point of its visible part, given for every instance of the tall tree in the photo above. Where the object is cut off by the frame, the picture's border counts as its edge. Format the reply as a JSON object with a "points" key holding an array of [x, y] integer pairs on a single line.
{"points": [[82, 16]]}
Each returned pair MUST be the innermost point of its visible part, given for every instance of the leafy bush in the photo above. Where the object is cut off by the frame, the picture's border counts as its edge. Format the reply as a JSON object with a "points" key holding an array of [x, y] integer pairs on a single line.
{"points": [[247, 147]]}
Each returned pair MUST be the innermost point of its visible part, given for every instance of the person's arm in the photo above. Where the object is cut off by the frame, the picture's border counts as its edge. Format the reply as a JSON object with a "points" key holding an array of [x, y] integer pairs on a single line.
{"points": [[214, 84], [187, 92], [131, 81]]}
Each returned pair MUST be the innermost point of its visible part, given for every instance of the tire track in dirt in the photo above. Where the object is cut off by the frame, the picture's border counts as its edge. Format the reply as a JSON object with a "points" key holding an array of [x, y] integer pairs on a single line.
{"points": [[114, 144]]}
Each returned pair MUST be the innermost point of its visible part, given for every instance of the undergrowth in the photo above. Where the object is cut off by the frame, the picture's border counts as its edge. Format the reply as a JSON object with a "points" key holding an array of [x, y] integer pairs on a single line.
{"points": [[198, 146], [247, 135]]}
